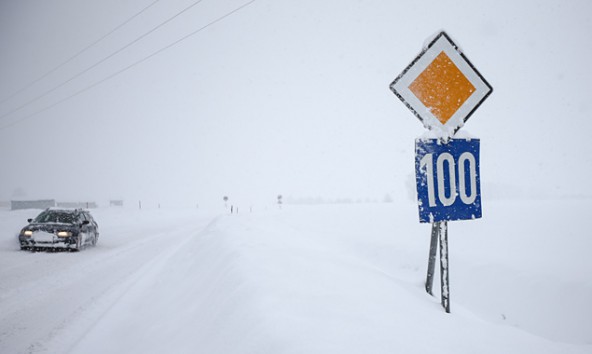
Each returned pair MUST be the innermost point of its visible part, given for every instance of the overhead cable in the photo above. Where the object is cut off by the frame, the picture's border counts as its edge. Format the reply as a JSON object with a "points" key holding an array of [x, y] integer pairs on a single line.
{"points": [[79, 53], [129, 66], [37, 98]]}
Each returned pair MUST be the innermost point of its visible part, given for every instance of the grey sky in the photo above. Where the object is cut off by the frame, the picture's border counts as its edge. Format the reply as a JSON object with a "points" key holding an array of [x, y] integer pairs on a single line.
{"points": [[284, 97]]}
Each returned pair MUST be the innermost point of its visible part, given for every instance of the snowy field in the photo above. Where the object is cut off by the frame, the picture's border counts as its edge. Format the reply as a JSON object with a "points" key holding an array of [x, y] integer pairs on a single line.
{"points": [[304, 279]]}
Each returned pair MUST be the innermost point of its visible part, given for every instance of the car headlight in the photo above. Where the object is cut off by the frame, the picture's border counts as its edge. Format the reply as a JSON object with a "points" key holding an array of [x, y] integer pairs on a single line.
{"points": [[28, 233], [64, 234]]}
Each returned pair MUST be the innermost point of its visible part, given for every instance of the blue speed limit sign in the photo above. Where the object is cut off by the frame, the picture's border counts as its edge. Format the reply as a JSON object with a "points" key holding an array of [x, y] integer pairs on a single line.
{"points": [[447, 176]]}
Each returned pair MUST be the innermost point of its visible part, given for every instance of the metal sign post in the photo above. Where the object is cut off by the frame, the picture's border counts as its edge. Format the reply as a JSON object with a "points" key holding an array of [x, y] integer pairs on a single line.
{"points": [[443, 89], [439, 233], [444, 281], [432, 258]]}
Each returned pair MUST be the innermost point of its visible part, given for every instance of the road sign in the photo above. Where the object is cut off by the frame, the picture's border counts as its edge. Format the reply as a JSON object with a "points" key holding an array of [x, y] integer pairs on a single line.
{"points": [[447, 176], [441, 87]]}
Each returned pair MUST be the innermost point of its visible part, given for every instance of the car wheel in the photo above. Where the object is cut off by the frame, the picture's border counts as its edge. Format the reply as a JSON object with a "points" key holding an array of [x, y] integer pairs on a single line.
{"points": [[95, 239], [78, 246]]}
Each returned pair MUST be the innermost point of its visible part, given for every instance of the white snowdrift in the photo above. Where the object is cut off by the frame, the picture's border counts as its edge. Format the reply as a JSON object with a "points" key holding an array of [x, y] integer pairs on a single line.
{"points": [[339, 279]]}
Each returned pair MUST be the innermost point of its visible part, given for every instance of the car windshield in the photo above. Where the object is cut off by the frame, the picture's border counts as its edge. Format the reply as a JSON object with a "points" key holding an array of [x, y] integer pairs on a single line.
{"points": [[52, 216]]}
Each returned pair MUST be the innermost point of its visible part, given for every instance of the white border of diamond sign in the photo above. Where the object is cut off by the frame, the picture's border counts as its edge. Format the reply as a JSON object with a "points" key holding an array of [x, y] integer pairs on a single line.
{"points": [[400, 87]]}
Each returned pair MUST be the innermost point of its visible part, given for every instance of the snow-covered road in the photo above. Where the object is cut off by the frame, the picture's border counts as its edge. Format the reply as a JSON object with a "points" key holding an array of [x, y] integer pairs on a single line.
{"points": [[57, 297]]}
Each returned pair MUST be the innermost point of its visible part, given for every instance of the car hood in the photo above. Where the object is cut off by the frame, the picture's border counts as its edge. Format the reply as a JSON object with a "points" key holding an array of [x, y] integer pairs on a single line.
{"points": [[51, 227]]}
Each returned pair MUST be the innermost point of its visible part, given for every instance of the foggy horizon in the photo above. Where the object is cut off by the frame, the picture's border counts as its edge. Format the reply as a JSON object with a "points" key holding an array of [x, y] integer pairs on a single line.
{"points": [[287, 98]]}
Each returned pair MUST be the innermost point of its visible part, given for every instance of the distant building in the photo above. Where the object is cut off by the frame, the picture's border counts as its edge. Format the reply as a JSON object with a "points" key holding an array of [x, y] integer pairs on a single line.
{"points": [[32, 204], [116, 203]]}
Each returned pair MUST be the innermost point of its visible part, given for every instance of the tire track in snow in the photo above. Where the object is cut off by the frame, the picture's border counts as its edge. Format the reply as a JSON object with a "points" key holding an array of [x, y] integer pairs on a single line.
{"points": [[53, 309]]}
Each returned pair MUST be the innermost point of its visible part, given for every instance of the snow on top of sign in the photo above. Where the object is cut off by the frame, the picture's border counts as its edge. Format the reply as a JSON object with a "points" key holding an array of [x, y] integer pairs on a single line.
{"points": [[438, 33], [434, 134]]}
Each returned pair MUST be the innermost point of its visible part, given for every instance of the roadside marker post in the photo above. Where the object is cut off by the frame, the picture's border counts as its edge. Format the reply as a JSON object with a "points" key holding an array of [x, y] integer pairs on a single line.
{"points": [[443, 89]]}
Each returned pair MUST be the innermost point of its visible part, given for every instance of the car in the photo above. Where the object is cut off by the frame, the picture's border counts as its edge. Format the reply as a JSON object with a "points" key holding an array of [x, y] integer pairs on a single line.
{"points": [[67, 229]]}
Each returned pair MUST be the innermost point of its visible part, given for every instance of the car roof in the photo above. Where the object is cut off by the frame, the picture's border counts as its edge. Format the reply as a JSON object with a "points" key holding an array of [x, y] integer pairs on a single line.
{"points": [[65, 210]]}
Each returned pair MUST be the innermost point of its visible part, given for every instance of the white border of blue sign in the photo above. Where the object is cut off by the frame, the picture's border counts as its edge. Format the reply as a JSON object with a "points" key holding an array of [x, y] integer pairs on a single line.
{"points": [[448, 179]]}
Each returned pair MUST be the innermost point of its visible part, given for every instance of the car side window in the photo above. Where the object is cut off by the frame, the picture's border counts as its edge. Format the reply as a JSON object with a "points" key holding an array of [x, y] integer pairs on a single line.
{"points": [[90, 219]]}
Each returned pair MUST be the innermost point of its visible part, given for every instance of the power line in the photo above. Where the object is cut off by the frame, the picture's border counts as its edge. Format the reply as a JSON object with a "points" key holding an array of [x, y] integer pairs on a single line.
{"points": [[79, 53], [129, 66], [99, 62]]}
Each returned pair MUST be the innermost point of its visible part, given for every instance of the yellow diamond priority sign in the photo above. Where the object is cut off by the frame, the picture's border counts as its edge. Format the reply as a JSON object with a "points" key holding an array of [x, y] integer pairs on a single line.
{"points": [[441, 87]]}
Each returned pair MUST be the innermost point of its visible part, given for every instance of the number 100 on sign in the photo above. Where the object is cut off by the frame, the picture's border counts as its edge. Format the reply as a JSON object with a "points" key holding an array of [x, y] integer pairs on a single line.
{"points": [[447, 176]]}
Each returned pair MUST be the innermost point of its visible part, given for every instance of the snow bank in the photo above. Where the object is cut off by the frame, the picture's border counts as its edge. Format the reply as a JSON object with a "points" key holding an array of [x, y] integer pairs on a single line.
{"points": [[349, 279], [305, 279]]}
